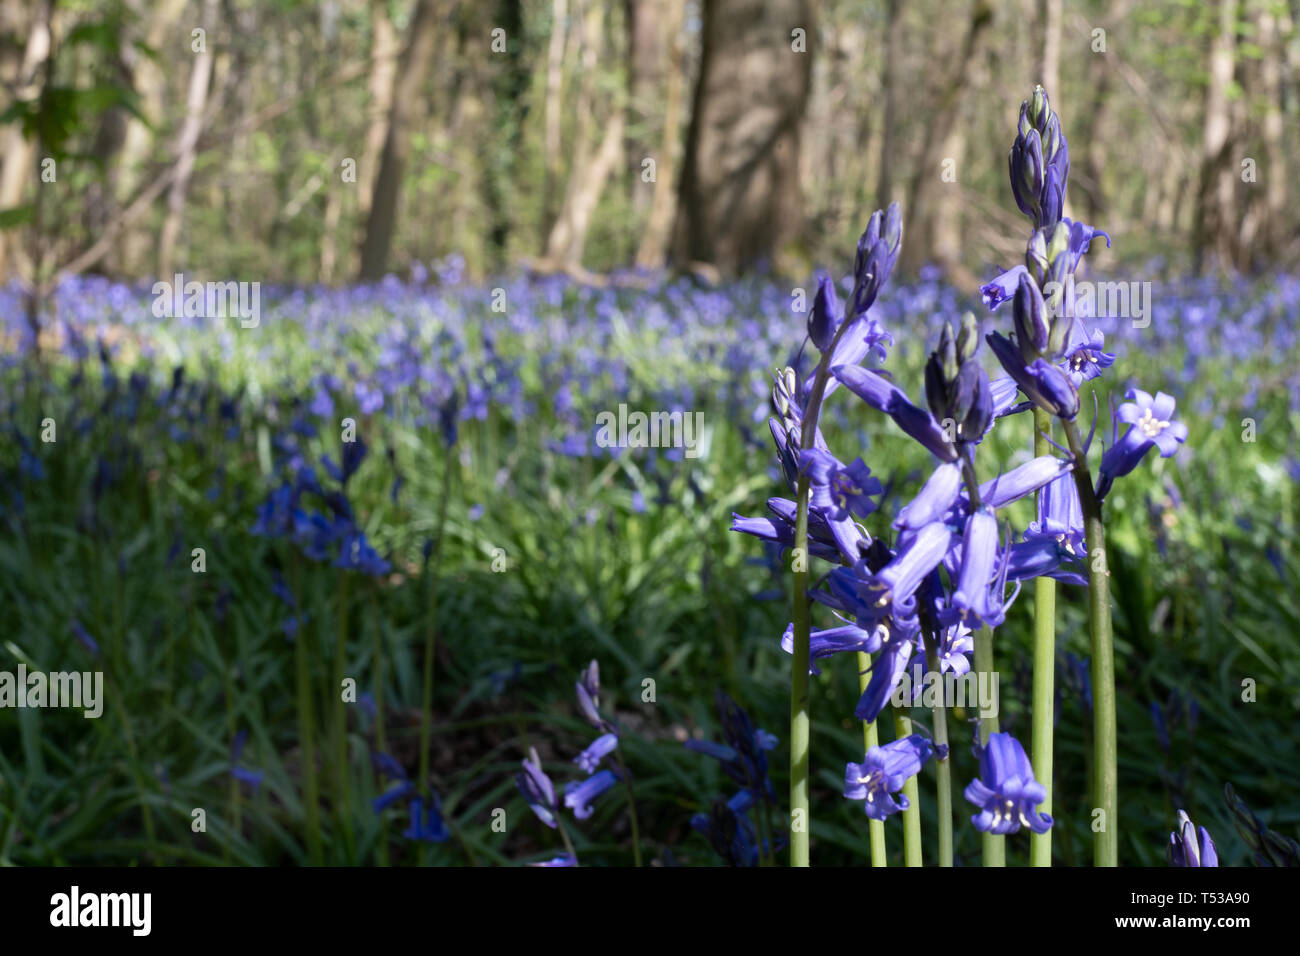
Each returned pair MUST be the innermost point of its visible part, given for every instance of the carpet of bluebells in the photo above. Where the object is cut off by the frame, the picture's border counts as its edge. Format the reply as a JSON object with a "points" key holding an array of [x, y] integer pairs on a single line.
{"points": [[203, 529]]}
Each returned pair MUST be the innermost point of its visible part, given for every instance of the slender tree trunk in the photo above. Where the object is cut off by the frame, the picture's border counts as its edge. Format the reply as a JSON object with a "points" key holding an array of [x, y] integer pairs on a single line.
{"points": [[150, 84], [930, 167], [740, 201], [20, 152], [592, 165], [1214, 216], [654, 241], [187, 143], [1274, 174], [382, 220], [554, 103], [383, 66], [887, 188], [648, 29]]}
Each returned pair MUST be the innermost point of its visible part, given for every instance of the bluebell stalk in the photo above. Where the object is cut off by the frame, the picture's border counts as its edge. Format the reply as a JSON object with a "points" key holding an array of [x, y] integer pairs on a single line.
{"points": [[587, 691], [877, 252]]}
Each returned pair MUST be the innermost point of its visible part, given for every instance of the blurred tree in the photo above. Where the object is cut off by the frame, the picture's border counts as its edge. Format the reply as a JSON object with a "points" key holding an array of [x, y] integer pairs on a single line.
{"points": [[592, 162], [653, 248], [407, 82], [740, 201], [20, 145], [1216, 219], [188, 141]]}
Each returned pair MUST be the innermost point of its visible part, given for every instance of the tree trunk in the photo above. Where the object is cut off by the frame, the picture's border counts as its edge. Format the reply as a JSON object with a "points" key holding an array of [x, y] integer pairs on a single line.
{"points": [[383, 66], [382, 219], [887, 188], [930, 166], [1215, 218], [554, 102], [740, 201], [591, 166], [20, 152], [649, 31], [187, 143], [654, 241], [1274, 173], [149, 81]]}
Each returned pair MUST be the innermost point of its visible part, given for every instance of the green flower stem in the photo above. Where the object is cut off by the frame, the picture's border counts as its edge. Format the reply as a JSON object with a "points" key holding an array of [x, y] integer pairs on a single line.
{"points": [[912, 815], [943, 768], [1105, 772], [799, 724], [1040, 844], [306, 735], [431, 630], [631, 806], [341, 719], [381, 735], [871, 738], [800, 818], [994, 846]]}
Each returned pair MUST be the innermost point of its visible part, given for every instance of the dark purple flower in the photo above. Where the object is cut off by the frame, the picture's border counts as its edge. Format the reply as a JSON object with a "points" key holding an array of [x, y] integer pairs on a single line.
{"points": [[825, 316]]}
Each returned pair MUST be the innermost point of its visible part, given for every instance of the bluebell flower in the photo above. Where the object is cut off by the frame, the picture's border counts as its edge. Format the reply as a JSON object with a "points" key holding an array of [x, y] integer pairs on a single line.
{"points": [[835, 640], [252, 778], [83, 636], [729, 831], [426, 826], [1060, 515], [981, 580], [1002, 287], [884, 396], [562, 860], [399, 791], [825, 315], [596, 751], [1191, 845], [587, 689], [1151, 425], [883, 773], [841, 491], [1043, 383], [887, 670], [744, 754], [1006, 791], [878, 250], [918, 554], [537, 789], [933, 501], [579, 794], [1023, 480], [1085, 357]]}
